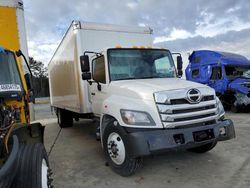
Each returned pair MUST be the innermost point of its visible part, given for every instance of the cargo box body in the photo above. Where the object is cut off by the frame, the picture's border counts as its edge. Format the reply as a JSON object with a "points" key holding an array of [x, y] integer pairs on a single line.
{"points": [[67, 89]]}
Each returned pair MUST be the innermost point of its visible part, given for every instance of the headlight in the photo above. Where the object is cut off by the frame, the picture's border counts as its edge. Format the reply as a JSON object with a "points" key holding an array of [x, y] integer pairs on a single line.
{"points": [[131, 117], [161, 97], [220, 108]]}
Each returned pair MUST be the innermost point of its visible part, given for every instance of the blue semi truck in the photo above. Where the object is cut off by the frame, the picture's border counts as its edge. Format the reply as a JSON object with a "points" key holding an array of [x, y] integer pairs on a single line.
{"points": [[227, 73]]}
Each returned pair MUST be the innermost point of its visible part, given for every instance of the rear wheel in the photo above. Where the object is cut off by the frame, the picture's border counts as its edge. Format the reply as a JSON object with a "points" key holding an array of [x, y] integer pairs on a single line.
{"points": [[204, 148], [116, 152], [33, 167], [64, 118]]}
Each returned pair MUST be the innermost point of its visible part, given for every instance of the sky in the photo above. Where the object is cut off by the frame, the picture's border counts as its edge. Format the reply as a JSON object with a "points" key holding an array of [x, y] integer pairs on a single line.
{"points": [[180, 25]]}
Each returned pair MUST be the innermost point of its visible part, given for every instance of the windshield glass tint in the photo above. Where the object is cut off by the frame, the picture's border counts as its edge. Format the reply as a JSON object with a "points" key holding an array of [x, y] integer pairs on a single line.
{"points": [[8, 69], [140, 63], [237, 72]]}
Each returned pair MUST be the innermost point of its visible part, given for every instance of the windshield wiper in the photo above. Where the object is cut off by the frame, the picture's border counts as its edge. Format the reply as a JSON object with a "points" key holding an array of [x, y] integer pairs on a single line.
{"points": [[129, 78], [147, 77]]}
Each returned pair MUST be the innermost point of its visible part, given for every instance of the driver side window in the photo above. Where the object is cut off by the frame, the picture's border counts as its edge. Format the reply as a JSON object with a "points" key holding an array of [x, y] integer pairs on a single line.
{"points": [[98, 69], [163, 66]]}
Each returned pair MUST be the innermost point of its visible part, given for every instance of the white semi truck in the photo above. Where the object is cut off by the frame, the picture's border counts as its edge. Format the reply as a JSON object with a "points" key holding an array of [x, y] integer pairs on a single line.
{"points": [[112, 74]]}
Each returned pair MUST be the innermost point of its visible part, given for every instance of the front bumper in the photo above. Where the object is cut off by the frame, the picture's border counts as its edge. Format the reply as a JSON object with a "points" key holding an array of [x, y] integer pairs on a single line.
{"points": [[158, 141]]}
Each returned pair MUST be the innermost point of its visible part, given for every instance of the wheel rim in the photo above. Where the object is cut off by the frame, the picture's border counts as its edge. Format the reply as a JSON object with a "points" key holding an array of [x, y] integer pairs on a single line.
{"points": [[116, 148], [44, 174]]}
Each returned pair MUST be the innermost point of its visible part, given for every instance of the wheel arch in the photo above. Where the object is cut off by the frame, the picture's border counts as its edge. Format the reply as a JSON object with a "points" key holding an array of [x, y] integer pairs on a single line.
{"points": [[104, 121]]}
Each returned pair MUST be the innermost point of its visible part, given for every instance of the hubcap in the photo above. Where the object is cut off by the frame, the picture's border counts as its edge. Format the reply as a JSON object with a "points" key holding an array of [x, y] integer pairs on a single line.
{"points": [[116, 148], [44, 174]]}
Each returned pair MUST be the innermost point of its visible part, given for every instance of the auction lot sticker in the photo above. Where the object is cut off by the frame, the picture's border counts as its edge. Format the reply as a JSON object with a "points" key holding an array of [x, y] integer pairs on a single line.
{"points": [[10, 87]]}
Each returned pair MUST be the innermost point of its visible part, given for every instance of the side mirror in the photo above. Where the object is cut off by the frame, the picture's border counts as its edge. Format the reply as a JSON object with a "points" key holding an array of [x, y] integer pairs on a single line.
{"points": [[179, 66], [86, 75], [84, 59], [29, 83], [28, 80]]}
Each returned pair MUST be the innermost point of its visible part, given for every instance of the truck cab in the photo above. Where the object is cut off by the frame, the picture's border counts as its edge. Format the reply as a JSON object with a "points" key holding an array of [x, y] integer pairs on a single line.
{"points": [[13, 87], [144, 108], [227, 73]]}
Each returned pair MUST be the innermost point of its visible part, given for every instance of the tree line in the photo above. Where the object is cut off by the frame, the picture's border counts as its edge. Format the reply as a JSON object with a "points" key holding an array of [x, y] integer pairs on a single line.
{"points": [[40, 78]]}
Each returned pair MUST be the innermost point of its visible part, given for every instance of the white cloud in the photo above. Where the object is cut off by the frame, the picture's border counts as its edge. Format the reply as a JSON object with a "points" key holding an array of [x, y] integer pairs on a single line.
{"points": [[175, 34], [132, 5], [172, 21]]}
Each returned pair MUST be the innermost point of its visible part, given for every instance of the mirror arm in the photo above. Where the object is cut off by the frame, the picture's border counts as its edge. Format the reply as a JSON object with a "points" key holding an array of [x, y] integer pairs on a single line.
{"points": [[90, 82], [20, 53], [99, 86]]}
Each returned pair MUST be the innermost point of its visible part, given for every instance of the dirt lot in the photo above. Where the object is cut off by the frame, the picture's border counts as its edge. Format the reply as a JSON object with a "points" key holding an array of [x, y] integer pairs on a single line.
{"points": [[78, 161]]}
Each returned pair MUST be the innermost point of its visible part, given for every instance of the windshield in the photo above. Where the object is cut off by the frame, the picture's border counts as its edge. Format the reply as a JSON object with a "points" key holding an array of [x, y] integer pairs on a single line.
{"points": [[9, 75], [127, 64], [233, 72]]}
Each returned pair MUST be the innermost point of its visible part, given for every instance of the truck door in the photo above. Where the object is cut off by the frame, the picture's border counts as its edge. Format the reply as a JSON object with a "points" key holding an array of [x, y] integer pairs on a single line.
{"points": [[217, 80], [98, 87]]}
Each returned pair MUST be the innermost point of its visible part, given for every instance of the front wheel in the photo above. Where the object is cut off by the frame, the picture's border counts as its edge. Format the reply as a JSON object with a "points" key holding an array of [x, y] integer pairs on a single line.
{"points": [[115, 150], [204, 148]]}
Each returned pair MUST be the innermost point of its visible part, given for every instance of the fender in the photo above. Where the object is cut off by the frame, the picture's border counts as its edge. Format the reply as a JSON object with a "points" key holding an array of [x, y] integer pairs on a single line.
{"points": [[28, 133]]}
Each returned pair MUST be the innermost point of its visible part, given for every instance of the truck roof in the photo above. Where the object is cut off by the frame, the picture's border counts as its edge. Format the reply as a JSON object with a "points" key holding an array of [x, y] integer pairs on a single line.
{"points": [[208, 57], [111, 35], [111, 27]]}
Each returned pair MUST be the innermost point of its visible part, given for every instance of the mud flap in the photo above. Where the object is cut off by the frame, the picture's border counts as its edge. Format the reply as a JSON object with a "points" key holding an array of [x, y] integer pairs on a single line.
{"points": [[29, 133]]}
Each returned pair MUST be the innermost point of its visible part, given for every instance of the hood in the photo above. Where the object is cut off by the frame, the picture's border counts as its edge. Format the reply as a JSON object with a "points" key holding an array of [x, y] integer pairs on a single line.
{"points": [[240, 85], [144, 88]]}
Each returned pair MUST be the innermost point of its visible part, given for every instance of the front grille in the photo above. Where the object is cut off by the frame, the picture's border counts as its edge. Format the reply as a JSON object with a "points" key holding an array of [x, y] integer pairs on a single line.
{"points": [[208, 98], [179, 101], [185, 101], [193, 117], [179, 112], [193, 109]]}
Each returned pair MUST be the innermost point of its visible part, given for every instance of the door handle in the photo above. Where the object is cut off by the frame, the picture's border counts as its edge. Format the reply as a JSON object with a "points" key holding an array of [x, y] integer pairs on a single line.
{"points": [[92, 93]]}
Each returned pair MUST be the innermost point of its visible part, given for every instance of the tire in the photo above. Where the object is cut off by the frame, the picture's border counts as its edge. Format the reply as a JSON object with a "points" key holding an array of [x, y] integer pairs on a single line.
{"points": [[33, 167], [64, 118], [115, 151], [204, 148], [9, 168]]}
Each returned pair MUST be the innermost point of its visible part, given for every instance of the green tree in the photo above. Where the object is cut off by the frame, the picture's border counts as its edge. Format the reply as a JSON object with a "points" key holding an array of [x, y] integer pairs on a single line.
{"points": [[40, 78], [37, 68]]}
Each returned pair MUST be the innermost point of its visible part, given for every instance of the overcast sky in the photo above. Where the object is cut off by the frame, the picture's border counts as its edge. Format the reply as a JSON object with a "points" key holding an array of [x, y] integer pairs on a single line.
{"points": [[178, 25]]}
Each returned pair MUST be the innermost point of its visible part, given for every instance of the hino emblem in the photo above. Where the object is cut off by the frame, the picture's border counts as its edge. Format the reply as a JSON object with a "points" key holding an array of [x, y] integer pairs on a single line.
{"points": [[194, 96]]}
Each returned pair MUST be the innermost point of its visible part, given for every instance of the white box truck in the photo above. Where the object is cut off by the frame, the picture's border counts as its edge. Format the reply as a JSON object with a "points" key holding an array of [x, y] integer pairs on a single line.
{"points": [[112, 73]]}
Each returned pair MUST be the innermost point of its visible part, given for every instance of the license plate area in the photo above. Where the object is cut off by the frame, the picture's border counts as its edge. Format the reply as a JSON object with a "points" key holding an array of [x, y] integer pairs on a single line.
{"points": [[203, 135]]}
